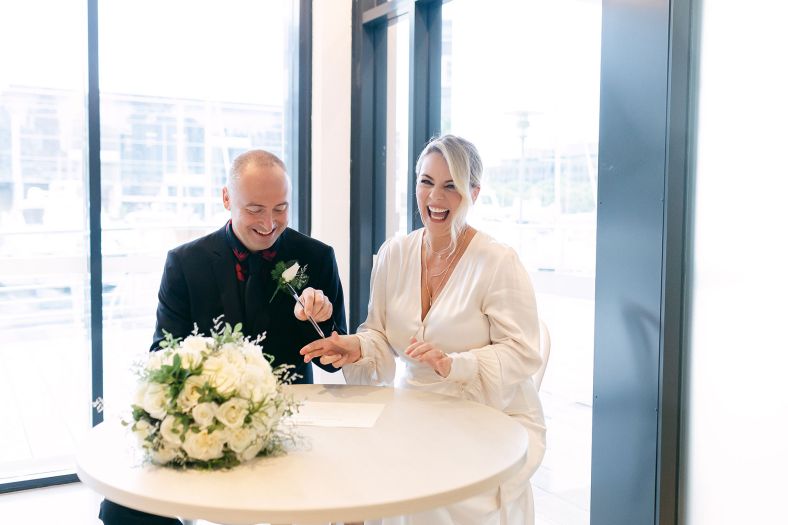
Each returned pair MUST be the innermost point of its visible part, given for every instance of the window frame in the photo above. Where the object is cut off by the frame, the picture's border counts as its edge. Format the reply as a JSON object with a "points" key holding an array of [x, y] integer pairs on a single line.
{"points": [[368, 126]]}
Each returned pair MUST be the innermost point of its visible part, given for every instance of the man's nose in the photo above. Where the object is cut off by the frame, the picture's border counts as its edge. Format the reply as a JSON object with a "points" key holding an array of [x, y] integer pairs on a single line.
{"points": [[267, 218]]}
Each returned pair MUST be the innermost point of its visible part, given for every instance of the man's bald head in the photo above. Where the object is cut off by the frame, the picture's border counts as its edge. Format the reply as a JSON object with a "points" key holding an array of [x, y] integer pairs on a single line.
{"points": [[256, 158]]}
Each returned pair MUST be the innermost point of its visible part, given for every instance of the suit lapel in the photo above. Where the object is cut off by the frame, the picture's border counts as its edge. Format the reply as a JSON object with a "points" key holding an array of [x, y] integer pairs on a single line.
{"points": [[223, 266]]}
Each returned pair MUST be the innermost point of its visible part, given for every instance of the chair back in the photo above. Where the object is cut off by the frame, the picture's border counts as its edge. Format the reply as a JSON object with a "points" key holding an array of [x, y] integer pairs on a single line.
{"points": [[544, 351]]}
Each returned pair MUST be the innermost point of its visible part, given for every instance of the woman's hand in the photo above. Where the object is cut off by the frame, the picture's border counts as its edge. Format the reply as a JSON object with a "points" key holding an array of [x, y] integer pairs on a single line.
{"points": [[432, 355], [337, 350]]}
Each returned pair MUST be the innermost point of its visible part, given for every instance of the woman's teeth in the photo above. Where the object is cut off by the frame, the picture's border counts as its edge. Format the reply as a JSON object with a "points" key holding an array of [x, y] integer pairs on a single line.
{"points": [[437, 214]]}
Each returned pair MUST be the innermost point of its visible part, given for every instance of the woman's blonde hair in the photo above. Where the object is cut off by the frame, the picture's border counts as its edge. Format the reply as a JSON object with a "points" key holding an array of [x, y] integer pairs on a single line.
{"points": [[465, 168]]}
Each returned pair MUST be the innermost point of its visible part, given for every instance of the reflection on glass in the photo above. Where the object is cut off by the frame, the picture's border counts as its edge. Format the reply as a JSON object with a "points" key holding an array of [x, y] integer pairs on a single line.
{"points": [[44, 315], [520, 79], [176, 108]]}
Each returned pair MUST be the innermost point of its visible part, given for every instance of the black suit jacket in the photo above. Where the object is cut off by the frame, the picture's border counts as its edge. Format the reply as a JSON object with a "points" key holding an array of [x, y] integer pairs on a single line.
{"points": [[199, 284]]}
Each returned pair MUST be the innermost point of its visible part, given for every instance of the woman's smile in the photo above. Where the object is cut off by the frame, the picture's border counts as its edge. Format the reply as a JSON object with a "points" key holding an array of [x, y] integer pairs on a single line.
{"points": [[437, 214]]}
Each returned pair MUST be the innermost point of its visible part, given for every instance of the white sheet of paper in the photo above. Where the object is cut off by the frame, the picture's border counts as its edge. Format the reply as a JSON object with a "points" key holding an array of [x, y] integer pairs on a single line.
{"points": [[324, 414]]}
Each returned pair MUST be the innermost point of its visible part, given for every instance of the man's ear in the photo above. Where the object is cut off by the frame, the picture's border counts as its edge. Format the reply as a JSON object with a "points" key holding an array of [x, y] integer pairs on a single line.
{"points": [[474, 193], [226, 198]]}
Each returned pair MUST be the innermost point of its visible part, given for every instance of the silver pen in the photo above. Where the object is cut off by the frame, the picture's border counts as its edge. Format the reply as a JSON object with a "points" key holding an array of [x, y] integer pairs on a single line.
{"points": [[311, 320]]}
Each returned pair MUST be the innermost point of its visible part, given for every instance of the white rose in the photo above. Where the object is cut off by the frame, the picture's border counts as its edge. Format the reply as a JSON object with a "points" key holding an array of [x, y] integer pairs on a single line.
{"points": [[154, 361], [255, 384], [222, 374], [239, 439], [190, 393], [260, 423], [154, 401], [164, 454], [139, 395], [165, 356], [254, 357], [290, 273], [196, 343], [192, 351], [269, 385], [266, 420], [171, 430], [203, 445], [233, 412], [252, 450], [142, 429], [203, 414]]}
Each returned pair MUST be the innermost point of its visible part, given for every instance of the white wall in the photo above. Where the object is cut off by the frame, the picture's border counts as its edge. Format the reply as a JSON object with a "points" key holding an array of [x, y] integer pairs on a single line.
{"points": [[737, 437], [331, 54]]}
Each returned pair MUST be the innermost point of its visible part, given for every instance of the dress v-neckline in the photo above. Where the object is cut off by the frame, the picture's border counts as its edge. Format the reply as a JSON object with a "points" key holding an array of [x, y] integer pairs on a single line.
{"points": [[449, 279]]}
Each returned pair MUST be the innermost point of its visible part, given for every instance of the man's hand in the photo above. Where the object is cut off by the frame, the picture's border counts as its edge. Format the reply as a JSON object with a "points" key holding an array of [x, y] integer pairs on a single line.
{"points": [[315, 303]]}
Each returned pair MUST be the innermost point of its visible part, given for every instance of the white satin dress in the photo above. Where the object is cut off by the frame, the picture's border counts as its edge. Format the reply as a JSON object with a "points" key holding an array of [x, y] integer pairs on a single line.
{"points": [[485, 318]]}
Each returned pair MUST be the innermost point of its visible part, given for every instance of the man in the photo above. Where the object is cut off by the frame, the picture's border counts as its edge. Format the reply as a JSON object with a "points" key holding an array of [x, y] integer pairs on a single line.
{"points": [[228, 273]]}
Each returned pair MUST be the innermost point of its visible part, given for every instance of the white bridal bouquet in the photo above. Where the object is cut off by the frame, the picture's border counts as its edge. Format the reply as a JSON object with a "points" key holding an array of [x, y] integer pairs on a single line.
{"points": [[211, 402]]}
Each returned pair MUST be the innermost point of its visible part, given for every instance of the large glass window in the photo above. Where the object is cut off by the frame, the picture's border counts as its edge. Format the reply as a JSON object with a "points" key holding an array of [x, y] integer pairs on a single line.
{"points": [[44, 311], [176, 108], [520, 79], [184, 88]]}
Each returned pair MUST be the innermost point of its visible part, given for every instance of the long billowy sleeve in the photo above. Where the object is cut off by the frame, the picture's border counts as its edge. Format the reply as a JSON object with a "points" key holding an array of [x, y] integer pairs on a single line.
{"points": [[377, 365], [494, 374]]}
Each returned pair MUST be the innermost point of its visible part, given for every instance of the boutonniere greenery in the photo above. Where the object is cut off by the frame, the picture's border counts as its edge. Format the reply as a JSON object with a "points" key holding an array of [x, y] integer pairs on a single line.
{"points": [[289, 277]]}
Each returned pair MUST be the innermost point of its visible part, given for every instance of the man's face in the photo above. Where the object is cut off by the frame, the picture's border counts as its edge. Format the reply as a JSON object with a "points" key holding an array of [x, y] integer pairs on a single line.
{"points": [[259, 205]]}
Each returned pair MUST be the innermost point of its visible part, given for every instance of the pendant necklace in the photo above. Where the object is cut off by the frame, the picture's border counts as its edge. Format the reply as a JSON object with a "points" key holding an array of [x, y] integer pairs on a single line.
{"points": [[444, 272]]}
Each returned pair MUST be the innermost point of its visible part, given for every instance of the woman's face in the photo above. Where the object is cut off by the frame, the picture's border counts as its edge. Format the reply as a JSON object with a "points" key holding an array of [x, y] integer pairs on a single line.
{"points": [[436, 194]]}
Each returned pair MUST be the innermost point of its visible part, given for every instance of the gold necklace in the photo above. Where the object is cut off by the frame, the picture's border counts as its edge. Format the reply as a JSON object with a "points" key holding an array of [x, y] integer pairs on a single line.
{"points": [[452, 253], [442, 253], [448, 264], [445, 270]]}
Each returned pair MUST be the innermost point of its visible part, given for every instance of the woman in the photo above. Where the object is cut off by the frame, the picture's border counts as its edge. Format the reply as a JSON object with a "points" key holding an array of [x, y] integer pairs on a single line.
{"points": [[457, 307]]}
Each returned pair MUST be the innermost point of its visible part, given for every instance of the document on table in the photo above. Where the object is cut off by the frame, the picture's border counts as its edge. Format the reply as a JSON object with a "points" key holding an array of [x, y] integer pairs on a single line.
{"points": [[325, 414]]}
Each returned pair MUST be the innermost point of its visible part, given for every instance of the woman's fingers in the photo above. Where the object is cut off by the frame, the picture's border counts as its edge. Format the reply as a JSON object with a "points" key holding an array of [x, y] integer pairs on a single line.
{"points": [[316, 349], [418, 348], [331, 359], [432, 355], [332, 345]]}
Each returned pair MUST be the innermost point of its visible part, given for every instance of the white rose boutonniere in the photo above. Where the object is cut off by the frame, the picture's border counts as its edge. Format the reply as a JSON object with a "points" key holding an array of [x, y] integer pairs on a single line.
{"points": [[290, 277], [289, 274]]}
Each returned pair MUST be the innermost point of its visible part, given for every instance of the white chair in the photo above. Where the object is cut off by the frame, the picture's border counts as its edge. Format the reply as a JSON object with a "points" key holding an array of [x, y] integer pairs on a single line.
{"points": [[544, 351]]}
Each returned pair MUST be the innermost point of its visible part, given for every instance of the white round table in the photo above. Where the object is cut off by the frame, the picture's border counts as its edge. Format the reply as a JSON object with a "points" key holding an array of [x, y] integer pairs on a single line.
{"points": [[424, 451]]}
